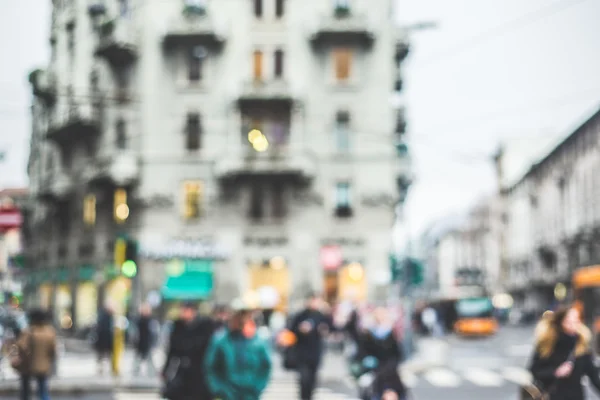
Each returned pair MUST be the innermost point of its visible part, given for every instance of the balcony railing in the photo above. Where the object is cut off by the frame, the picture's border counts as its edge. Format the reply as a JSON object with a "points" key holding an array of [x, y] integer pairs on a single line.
{"points": [[43, 84], [272, 91], [193, 27], [117, 43], [276, 161], [54, 186], [343, 26], [118, 168], [73, 122]]}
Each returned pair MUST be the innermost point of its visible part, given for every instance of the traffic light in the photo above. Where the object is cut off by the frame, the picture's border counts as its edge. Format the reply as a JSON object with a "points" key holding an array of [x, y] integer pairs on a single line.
{"points": [[129, 266], [416, 271], [395, 268]]}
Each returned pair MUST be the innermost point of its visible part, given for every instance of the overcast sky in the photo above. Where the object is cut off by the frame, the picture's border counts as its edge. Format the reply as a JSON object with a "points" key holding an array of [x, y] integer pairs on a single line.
{"points": [[492, 70]]}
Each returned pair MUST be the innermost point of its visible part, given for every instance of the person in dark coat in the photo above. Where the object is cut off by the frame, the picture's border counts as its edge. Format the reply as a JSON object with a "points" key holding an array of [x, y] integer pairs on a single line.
{"points": [[146, 336], [184, 364], [562, 356], [380, 342], [309, 326], [104, 337]]}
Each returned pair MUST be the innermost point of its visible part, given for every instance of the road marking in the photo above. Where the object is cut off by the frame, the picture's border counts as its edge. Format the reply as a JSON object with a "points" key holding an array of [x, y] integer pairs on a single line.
{"points": [[409, 379], [443, 378], [483, 377], [517, 375], [520, 350]]}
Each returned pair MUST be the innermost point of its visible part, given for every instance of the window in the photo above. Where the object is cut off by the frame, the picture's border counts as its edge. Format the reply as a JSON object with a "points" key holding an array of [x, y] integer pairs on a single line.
{"points": [[192, 195], [258, 8], [258, 64], [124, 7], [342, 131], [121, 135], [279, 206], [343, 208], [257, 198], [193, 132], [279, 8], [342, 195], [71, 38], [196, 56], [342, 60], [278, 63], [89, 210]]}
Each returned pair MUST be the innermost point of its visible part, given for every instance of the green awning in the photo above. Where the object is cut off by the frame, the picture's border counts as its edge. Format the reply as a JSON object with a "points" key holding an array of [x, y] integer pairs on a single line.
{"points": [[188, 280], [86, 273]]}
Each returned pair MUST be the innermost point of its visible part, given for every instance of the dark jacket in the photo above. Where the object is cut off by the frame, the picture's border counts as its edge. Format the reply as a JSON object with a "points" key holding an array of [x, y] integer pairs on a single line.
{"points": [[104, 332], [145, 334], [388, 354], [553, 349], [385, 349], [310, 345], [237, 368], [188, 343]]}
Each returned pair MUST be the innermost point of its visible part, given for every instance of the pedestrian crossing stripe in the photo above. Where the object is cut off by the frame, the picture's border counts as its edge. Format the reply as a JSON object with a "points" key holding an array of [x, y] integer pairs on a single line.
{"points": [[483, 377], [446, 377]]}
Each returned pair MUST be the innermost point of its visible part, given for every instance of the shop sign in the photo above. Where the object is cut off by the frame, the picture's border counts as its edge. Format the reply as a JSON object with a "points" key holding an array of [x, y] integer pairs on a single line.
{"points": [[265, 241], [343, 242], [331, 257], [183, 249], [10, 218]]}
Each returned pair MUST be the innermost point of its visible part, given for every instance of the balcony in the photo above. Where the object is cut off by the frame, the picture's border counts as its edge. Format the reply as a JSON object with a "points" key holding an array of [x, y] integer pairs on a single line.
{"points": [[117, 43], [55, 186], [193, 27], [400, 128], [72, 123], [343, 27], [119, 168], [96, 8], [265, 92], [43, 84], [278, 162]]}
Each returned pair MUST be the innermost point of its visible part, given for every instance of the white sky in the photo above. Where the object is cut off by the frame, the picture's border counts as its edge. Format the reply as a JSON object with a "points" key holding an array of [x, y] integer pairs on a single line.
{"points": [[475, 80]]}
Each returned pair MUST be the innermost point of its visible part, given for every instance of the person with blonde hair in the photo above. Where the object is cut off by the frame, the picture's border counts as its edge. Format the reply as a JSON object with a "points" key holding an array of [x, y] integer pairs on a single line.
{"points": [[563, 356]]}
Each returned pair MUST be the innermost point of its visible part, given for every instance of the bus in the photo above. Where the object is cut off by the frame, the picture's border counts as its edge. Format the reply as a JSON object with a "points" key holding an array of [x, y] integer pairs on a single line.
{"points": [[475, 317], [586, 285]]}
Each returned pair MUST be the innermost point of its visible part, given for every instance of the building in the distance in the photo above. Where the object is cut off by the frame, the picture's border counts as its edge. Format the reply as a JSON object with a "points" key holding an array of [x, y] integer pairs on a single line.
{"points": [[552, 219], [241, 143], [462, 254]]}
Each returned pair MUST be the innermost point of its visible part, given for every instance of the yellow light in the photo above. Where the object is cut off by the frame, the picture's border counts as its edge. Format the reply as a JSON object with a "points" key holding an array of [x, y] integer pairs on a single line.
{"points": [[355, 271], [560, 291], [122, 212], [503, 301], [261, 144], [277, 262], [254, 135]]}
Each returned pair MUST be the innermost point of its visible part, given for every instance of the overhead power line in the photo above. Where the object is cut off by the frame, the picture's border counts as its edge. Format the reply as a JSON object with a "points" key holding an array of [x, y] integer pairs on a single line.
{"points": [[498, 30]]}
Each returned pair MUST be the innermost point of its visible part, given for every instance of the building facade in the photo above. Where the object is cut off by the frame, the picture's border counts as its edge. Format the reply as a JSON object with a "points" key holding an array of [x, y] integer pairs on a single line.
{"points": [[237, 142], [552, 219], [463, 254]]}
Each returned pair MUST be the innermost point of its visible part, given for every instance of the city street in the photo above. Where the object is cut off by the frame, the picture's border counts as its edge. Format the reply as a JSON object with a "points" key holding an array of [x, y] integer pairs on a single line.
{"points": [[477, 368]]}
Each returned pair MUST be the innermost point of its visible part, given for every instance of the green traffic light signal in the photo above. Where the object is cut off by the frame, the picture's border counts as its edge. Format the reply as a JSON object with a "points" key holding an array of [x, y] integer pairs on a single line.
{"points": [[129, 269]]}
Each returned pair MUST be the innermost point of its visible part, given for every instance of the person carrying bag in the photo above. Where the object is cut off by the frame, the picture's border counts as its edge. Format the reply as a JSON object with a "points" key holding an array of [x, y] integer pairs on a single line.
{"points": [[562, 357]]}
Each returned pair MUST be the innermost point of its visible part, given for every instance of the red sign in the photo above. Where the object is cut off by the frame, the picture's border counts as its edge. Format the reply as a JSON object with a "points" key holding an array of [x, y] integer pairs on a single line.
{"points": [[10, 218], [331, 257]]}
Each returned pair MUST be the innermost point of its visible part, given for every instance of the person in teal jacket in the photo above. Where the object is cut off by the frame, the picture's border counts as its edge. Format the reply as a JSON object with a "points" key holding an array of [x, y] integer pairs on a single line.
{"points": [[237, 363]]}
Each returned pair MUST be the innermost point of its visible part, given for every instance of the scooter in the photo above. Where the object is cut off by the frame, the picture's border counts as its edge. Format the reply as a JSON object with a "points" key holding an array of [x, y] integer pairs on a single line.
{"points": [[366, 378]]}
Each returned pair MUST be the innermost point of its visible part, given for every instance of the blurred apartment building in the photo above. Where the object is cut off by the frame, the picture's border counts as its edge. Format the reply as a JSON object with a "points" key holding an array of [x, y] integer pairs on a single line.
{"points": [[551, 218], [462, 253], [248, 146]]}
